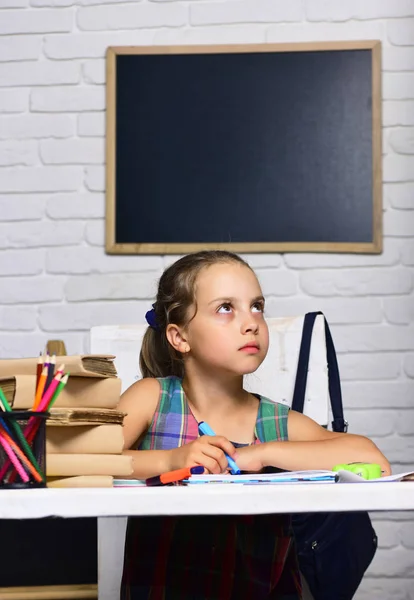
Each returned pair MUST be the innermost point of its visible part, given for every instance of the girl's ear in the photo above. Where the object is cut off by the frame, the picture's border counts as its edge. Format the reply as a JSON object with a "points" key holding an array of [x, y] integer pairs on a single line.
{"points": [[177, 338]]}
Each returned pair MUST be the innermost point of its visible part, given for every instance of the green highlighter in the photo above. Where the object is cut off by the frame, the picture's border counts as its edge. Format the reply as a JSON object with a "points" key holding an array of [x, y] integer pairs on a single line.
{"points": [[364, 470]]}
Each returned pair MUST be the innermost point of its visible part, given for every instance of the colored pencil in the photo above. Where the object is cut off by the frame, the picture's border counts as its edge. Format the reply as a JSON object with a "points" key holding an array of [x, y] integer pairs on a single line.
{"points": [[60, 370], [14, 460], [21, 455], [4, 402], [39, 368], [46, 362], [5, 408], [48, 395], [59, 388], [51, 371], [22, 437], [45, 395], [33, 424], [32, 430], [40, 388], [23, 442], [19, 435], [29, 433]]}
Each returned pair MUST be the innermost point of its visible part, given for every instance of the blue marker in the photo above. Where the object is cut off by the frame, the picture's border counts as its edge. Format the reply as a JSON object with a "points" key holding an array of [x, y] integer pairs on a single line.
{"points": [[206, 430]]}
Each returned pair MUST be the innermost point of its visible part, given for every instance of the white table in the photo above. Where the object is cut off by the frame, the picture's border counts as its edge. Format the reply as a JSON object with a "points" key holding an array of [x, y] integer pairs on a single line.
{"points": [[205, 500], [111, 504]]}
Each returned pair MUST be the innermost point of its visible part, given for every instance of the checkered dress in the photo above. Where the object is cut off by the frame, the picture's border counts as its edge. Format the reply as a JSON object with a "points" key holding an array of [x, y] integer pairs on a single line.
{"points": [[208, 557]]}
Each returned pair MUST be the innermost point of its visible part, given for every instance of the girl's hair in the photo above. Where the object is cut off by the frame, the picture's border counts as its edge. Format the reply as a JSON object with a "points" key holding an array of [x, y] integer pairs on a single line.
{"points": [[175, 296]]}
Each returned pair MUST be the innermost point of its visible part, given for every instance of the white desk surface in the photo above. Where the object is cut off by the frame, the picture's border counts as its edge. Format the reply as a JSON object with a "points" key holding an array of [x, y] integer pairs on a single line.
{"points": [[203, 499]]}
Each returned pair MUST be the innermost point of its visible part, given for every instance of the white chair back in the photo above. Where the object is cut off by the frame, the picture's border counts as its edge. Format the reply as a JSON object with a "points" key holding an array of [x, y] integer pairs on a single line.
{"points": [[274, 379]]}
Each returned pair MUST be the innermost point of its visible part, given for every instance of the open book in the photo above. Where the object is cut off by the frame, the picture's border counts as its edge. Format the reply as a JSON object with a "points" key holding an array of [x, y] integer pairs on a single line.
{"points": [[85, 416]]}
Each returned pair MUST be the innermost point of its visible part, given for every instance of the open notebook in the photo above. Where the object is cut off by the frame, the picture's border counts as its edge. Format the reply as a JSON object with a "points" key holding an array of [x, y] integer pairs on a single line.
{"points": [[265, 478], [294, 477], [302, 477], [246, 479]]}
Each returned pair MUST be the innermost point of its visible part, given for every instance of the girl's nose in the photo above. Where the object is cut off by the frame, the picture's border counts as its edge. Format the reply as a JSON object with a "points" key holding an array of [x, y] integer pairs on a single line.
{"points": [[250, 325]]}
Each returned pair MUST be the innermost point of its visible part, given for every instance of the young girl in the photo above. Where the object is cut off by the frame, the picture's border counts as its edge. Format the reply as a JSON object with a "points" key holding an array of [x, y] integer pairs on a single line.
{"points": [[206, 331]]}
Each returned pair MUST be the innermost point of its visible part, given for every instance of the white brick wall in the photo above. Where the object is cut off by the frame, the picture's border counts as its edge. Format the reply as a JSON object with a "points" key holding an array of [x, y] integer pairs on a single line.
{"points": [[56, 281]]}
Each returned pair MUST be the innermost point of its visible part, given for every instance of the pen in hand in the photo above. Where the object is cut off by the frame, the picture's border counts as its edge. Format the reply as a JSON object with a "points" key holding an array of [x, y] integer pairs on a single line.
{"points": [[206, 430]]}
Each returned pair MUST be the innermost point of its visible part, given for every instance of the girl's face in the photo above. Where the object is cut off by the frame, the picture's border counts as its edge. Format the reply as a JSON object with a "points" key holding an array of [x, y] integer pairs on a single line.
{"points": [[228, 331]]}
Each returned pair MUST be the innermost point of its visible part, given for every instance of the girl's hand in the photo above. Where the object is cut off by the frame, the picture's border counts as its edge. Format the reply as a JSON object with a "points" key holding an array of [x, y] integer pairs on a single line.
{"points": [[208, 451], [251, 458]]}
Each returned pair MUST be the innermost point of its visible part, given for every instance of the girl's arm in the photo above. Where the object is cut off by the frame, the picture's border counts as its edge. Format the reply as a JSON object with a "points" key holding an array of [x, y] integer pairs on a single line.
{"points": [[140, 403], [310, 446]]}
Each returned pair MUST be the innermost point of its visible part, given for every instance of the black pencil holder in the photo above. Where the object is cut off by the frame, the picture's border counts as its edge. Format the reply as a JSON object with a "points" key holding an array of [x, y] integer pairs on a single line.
{"points": [[23, 449]]}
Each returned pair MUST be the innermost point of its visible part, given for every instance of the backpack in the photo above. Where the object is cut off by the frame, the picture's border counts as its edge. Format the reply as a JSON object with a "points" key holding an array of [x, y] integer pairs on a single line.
{"points": [[334, 549]]}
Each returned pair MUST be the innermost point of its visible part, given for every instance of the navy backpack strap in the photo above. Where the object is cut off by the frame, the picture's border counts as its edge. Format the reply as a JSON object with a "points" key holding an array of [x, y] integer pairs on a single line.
{"points": [[338, 424], [298, 400]]}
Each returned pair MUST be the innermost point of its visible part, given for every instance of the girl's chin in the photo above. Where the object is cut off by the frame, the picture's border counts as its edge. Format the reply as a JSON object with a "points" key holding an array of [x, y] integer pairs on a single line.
{"points": [[247, 369]]}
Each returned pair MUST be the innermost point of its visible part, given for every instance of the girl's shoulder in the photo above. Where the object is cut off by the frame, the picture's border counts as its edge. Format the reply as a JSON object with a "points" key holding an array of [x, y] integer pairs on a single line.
{"points": [[272, 420], [151, 390], [148, 387], [271, 406], [139, 403]]}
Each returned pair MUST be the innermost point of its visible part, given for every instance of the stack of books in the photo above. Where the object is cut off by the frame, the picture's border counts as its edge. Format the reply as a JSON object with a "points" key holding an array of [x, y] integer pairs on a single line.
{"points": [[84, 433]]}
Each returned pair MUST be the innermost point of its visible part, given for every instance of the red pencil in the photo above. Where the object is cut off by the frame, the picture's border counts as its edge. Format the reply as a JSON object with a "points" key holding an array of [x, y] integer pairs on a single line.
{"points": [[47, 396]]}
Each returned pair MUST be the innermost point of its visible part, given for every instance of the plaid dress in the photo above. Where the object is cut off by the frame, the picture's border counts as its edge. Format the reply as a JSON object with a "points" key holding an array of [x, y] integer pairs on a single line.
{"points": [[208, 557]]}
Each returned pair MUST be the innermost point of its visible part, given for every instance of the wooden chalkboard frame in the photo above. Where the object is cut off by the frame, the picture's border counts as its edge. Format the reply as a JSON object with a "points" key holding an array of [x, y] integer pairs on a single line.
{"points": [[50, 592], [112, 247]]}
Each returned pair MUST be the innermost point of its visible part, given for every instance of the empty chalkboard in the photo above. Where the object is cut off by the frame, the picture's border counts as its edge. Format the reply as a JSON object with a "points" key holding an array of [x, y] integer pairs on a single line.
{"points": [[259, 148]]}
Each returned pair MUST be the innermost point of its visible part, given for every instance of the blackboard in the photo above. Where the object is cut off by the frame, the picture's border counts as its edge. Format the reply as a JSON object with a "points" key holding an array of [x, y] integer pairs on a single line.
{"points": [[258, 148]]}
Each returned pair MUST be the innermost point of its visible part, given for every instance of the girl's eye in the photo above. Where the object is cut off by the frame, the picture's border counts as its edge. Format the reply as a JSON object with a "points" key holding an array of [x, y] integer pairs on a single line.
{"points": [[224, 308], [258, 307]]}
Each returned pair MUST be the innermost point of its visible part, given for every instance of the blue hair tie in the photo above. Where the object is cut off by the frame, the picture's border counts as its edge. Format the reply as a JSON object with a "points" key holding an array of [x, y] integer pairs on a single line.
{"points": [[151, 319]]}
